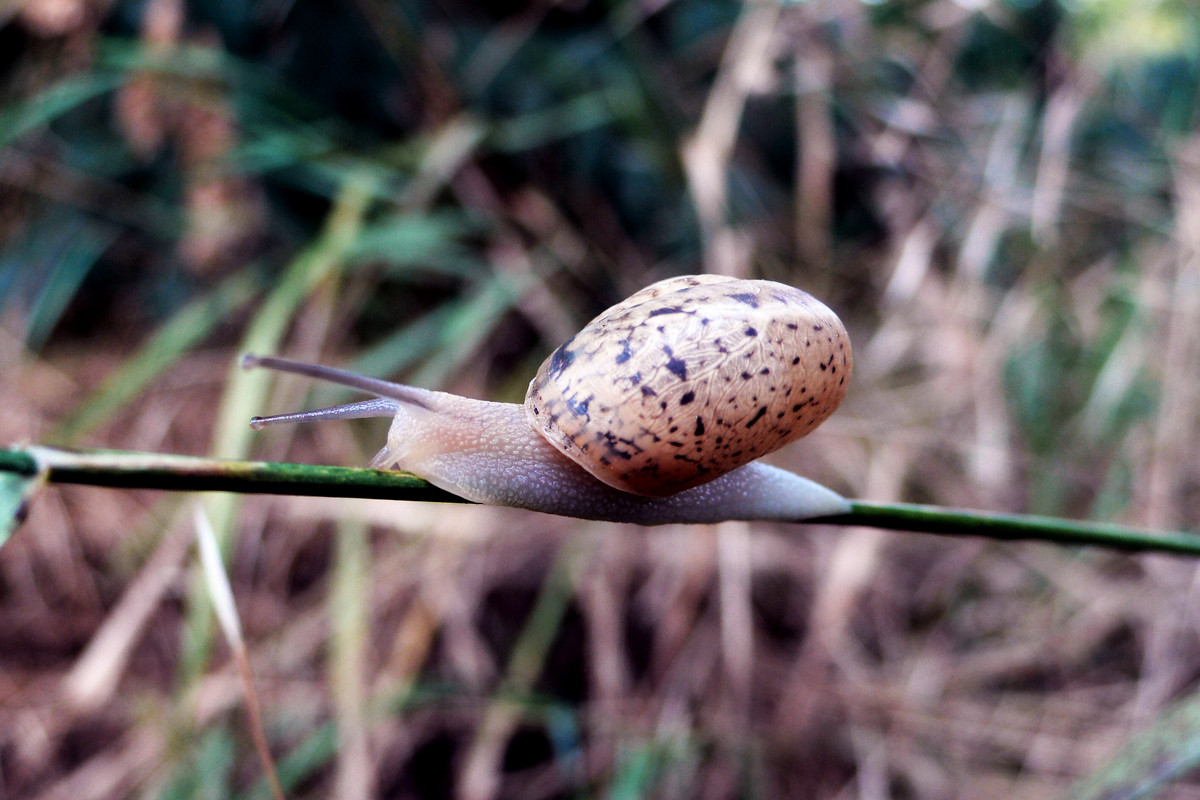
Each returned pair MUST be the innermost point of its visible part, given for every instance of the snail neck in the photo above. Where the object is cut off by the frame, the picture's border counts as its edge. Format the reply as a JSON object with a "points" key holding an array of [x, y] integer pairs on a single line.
{"points": [[474, 448]]}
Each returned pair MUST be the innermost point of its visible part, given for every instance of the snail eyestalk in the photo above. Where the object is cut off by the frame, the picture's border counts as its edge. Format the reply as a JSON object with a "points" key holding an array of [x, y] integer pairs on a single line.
{"points": [[380, 388], [379, 407]]}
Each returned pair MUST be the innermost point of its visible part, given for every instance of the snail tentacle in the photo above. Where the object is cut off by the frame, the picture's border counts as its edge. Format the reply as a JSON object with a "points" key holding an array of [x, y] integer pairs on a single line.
{"points": [[378, 407]]}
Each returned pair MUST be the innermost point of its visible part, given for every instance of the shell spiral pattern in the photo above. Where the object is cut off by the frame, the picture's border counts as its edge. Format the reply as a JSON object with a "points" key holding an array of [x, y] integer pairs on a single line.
{"points": [[690, 378]]}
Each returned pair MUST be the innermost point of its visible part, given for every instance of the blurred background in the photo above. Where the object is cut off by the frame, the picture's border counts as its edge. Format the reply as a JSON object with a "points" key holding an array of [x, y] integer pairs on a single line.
{"points": [[1001, 198]]}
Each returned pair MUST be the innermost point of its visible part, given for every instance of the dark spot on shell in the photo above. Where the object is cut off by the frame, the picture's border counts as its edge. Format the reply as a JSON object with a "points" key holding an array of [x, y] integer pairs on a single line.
{"points": [[824, 367], [658, 312], [700, 427], [751, 332], [817, 328], [687, 398], [765, 371], [792, 326], [611, 446], [577, 408], [746, 376], [795, 361], [747, 298], [646, 390], [676, 366], [625, 353], [563, 357], [756, 418], [700, 469]]}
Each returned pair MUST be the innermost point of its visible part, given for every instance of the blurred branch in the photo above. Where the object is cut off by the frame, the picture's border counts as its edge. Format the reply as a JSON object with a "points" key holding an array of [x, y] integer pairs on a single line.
{"points": [[131, 470], [707, 153]]}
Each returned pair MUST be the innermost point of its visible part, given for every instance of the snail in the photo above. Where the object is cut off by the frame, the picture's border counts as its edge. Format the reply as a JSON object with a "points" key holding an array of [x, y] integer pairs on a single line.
{"points": [[654, 413]]}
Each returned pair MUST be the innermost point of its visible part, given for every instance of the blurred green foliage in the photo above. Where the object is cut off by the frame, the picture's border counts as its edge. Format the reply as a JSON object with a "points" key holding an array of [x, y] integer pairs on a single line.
{"points": [[583, 104]]}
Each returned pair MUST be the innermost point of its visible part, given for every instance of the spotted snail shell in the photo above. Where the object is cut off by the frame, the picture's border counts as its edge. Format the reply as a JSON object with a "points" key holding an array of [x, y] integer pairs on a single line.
{"points": [[690, 378]]}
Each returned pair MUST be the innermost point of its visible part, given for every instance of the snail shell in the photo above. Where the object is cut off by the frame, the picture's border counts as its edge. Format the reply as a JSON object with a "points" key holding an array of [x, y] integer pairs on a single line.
{"points": [[666, 399], [690, 378]]}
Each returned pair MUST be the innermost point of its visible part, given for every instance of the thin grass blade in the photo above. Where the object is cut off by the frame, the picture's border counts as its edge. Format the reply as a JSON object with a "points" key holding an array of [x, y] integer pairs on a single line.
{"points": [[1151, 761]]}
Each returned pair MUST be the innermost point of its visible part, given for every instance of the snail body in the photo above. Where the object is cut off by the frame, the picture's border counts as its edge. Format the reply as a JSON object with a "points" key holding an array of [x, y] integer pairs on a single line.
{"points": [[653, 413]]}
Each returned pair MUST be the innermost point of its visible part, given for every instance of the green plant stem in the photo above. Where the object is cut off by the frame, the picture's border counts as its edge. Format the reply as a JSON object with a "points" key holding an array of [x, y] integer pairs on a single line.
{"points": [[944, 521], [129, 470]]}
